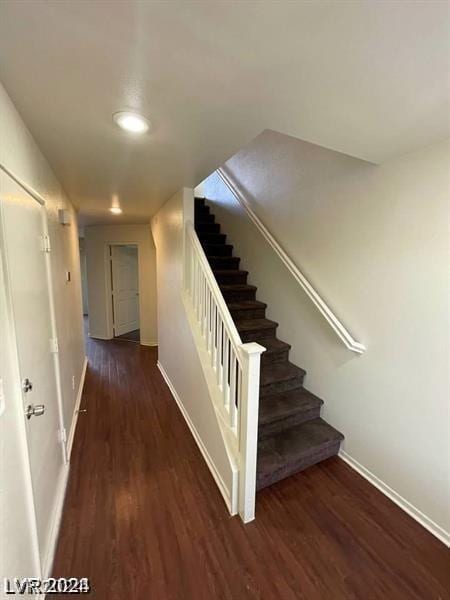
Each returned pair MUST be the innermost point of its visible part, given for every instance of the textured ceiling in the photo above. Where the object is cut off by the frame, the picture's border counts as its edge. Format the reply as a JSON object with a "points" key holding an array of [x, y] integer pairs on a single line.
{"points": [[370, 79]]}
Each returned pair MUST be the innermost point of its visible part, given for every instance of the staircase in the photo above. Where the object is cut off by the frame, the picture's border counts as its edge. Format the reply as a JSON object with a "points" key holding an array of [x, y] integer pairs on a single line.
{"points": [[291, 434]]}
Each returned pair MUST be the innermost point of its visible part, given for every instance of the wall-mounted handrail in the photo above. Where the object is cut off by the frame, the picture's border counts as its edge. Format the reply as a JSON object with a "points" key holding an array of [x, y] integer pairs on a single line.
{"points": [[235, 366], [321, 305]]}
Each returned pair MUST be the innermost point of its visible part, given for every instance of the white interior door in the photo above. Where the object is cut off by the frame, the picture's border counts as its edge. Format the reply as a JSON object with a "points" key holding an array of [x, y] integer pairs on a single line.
{"points": [[125, 288], [28, 281], [19, 552]]}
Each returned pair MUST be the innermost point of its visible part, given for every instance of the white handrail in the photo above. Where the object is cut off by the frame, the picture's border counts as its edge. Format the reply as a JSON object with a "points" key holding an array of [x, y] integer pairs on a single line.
{"points": [[235, 365], [326, 311]]}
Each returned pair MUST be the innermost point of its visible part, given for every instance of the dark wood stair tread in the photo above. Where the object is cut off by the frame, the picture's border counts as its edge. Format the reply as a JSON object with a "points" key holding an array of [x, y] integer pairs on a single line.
{"points": [[246, 305], [285, 404], [217, 249], [202, 228], [295, 449], [224, 262], [275, 345], [229, 272], [276, 372], [255, 325], [237, 287]]}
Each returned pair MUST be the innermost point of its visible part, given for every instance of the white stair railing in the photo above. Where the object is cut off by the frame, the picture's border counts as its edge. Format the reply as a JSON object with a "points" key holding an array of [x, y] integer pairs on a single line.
{"points": [[339, 328], [236, 366]]}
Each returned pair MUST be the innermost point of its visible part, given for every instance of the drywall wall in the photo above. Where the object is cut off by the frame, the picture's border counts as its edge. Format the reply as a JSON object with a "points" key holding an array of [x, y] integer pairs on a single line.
{"points": [[20, 155], [373, 241], [177, 353], [97, 239]]}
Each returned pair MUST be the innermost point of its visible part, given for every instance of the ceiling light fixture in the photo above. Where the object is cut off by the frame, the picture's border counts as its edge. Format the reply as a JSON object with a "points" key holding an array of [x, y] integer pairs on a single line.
{"points": [[131, 122], [115, 205]]}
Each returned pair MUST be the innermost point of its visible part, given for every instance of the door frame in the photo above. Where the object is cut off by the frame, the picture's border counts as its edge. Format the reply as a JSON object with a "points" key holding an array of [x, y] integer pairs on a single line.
{"points": [[108, 284]]}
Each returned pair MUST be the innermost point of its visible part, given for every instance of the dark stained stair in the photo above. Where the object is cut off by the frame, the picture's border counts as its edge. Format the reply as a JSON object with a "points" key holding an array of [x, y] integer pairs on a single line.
{"points": [[291, 434]]}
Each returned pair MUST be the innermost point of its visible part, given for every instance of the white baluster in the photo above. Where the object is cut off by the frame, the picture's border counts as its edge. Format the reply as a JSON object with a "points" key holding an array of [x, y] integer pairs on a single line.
{"points": [[232, 409], [225, 371]]}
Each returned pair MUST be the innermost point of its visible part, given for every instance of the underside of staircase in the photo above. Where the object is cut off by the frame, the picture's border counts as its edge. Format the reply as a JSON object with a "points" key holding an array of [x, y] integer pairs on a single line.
{"points": [[291, 434]]}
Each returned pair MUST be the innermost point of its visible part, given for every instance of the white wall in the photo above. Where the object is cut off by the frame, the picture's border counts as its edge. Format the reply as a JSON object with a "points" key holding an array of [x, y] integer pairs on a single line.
{"points": [[177, 353], [373, 241], [97, 238], [19, 154]]}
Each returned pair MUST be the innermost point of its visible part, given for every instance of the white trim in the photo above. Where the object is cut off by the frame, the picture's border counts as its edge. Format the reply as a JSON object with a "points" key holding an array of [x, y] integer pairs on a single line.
{"points": [[36, 195], [217, 477], [415, 513], [147, 343], [326, 311], [56, 522], [76, 410]]}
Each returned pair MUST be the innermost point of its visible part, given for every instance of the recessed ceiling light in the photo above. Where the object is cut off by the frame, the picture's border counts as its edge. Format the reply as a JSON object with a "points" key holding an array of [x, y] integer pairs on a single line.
{"points": [[131, 122], [115, 210]]}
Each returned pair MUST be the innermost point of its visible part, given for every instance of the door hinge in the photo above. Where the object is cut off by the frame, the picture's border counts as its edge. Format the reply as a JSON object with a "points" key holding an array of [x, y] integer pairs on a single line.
{"points": [[45, 243], [63, 435], [54, 345]]}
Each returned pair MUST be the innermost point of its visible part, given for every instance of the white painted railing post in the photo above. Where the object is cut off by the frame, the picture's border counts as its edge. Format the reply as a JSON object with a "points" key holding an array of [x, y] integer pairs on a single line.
{"points": [[248, 428]]}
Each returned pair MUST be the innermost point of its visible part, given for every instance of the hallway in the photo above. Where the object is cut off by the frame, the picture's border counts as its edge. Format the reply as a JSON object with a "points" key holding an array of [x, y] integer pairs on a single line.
{"points": [[143, 518]]}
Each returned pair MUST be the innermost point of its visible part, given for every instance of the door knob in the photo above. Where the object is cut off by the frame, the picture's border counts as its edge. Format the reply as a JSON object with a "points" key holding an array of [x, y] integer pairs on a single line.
{"points": [[35, 411]]}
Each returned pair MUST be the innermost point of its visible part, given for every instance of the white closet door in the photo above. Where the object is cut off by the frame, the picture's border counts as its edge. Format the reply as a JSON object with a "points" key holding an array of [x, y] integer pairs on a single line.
{"points": [[125, 288]]}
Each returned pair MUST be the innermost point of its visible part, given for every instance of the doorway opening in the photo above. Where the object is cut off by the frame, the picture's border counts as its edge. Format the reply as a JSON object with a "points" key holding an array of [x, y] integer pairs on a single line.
{"points": [[124, 277]]}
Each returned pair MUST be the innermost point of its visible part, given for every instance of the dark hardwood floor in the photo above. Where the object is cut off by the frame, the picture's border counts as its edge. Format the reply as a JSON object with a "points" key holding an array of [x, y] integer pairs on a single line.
{"points": [[143, 518]]}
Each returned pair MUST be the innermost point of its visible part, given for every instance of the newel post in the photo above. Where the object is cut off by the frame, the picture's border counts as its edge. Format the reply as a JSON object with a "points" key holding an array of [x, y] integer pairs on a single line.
{"points": [[248, 428]]}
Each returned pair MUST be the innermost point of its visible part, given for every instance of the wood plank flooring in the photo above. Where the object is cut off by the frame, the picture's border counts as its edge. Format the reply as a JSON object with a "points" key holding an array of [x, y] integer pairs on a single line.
{"points": [[144, 520]]}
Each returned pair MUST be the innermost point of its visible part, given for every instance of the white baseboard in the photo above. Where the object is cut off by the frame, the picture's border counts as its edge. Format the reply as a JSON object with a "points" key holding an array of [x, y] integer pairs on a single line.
{"points": [[415, 513], [47, 564], [147, 343], [217, 477], [76, 410]]}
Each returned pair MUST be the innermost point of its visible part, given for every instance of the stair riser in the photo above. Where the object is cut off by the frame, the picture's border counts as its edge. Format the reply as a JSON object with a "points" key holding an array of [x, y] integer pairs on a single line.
{"points": [[227, 262], [259, 335], [239, 296], [281, 386], [270, 358], [203, 228], [199, 201], [231, 278], [201, 211], [218, 249], [267, 429], [245, 314], [300, 465], [212, 238], [204, 219]]}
